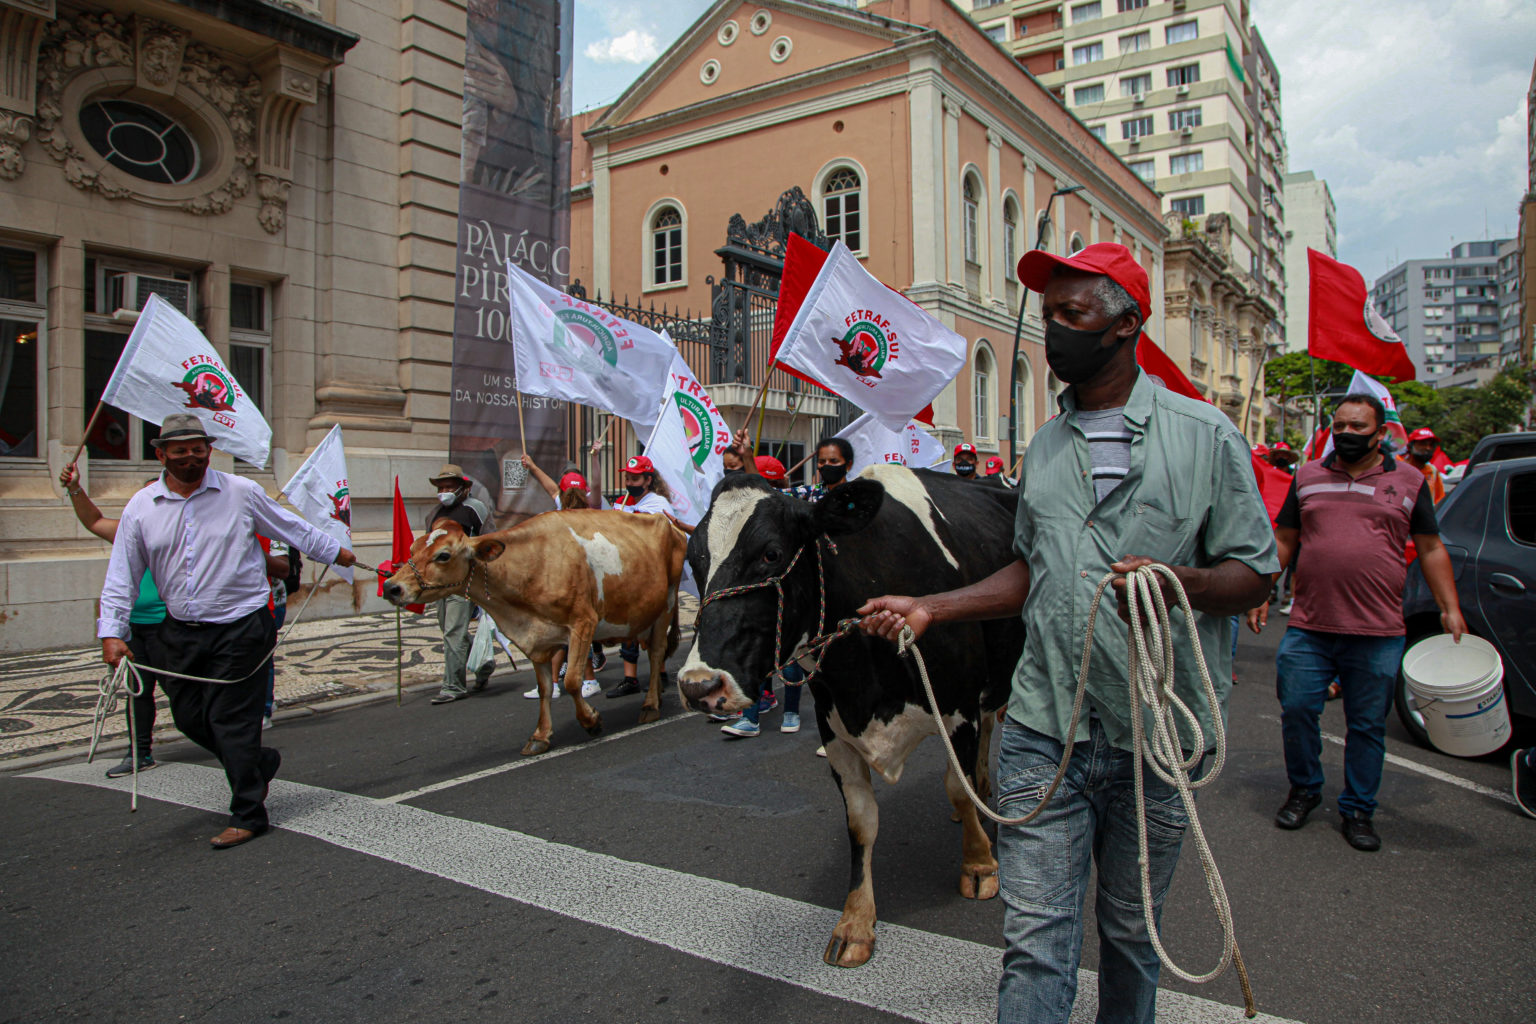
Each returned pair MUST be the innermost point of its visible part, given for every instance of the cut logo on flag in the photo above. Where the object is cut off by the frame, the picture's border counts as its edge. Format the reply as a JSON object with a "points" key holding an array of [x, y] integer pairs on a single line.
{"points": [[208, 386]]}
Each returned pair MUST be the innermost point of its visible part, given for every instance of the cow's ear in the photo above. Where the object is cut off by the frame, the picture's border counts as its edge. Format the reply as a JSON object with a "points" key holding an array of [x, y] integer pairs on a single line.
{"points": [[487, 549], [849, 508]]}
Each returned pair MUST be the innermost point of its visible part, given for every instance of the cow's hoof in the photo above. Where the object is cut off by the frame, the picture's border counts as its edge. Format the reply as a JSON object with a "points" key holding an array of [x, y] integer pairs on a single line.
{"points": [[533, 747], [845, 952], [596, 728], [979, 885], [649, 715]]}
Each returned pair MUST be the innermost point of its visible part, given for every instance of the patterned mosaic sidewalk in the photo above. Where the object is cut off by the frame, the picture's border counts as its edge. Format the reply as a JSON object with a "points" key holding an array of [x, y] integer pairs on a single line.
{"points": [[48, 698]]}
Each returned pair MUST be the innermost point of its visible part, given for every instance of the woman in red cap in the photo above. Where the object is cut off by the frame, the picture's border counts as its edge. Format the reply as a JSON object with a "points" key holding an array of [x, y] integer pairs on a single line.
{"points": [[644, 491]]}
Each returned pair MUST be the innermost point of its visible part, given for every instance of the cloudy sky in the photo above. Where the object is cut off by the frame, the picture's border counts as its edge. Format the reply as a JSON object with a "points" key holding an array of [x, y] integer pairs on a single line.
{"points": [[1412, 110]]}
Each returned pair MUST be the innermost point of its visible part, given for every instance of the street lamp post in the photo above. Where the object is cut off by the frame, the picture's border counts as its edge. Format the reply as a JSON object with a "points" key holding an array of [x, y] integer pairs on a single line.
{"points": [[1018, 330]]}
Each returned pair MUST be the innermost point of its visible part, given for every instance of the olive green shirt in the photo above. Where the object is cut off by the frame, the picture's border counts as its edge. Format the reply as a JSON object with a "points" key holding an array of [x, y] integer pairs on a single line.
{"points": [[1189, 499]]}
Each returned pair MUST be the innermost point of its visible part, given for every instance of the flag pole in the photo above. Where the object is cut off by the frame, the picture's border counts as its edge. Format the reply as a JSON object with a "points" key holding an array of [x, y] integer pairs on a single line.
{"points": [[1317, 402], [90, 424], [761, 406], [399, 660], [522, 432]]}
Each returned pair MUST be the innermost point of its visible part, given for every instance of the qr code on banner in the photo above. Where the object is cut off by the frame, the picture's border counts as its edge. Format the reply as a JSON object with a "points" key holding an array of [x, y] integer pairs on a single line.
{"points": [[514, 475]]}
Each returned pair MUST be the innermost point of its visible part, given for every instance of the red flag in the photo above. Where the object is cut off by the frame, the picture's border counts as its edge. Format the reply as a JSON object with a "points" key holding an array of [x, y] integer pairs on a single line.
{"points": [[1440, 460], [1157, 364], [1315, 447], [399, 546], [1274, 485], [1345, 327]]}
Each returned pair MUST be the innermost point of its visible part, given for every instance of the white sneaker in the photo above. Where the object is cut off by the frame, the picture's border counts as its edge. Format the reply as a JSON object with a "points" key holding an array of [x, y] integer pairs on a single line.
{"points": [[533, 694], [266, 722], [821, 751], [590, 688]]}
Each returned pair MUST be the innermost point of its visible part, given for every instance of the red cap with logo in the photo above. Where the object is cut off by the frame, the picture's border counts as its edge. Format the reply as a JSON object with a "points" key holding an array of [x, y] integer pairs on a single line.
{"points": [[639, 464], [965, 447], [770, 469], [1108, 258], [573, 479], [1423, 434], [1261, 450], [994, 466]]}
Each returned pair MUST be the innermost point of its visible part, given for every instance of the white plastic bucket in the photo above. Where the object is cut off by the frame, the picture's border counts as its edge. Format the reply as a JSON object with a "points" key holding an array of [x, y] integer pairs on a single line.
{"points": [[1459, 689]]}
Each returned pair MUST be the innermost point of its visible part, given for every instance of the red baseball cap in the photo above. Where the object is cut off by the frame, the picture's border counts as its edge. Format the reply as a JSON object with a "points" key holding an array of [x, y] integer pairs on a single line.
{"points": [[1423, 434], [573, 479], [639, 464], [1261, 450], [1281, 446], [1109, 258], [770, 468], [994, 466], [965, 447]]}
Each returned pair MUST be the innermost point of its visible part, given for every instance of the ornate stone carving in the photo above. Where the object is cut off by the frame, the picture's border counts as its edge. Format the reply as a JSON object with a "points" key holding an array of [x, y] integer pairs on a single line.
{"points": [[769, 236], [274, 202], [15, 129], [92, 41]]}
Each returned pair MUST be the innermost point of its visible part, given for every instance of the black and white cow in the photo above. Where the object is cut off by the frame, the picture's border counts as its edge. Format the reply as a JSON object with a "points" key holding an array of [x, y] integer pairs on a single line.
{"points": [[890, 531]]}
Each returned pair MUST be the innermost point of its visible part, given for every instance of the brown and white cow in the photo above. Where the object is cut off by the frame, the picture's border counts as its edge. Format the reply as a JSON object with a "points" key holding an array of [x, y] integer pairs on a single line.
{"points": [[560, 579]]}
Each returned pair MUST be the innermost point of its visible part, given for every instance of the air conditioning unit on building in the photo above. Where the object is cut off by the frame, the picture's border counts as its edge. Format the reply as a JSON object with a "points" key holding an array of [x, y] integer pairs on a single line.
{"points": [[1135, 141], [131, 291], [1187, 131], [1182, 90], [1138, 98]]}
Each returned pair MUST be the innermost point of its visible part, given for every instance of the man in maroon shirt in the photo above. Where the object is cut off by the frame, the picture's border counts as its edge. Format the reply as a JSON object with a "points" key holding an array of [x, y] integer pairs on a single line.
{"points": [[1353, 513]]}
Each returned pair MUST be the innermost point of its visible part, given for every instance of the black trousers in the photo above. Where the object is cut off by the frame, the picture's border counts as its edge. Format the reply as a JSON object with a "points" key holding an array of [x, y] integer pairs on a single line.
{"points": [[225, 718], [144, 642]]}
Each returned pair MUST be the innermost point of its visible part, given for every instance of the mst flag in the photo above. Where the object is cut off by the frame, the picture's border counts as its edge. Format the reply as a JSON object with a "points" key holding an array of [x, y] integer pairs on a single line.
{"points": [[319, 491], [873, 444], [1397, 437], [1345, 327], [167, 367], [707, 432], [566, 348], [869, 344]]}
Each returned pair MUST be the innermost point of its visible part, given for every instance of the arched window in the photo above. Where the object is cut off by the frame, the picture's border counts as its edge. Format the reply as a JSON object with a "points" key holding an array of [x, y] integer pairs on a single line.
{"points": [[970, 197], [842, 208], [1053, 388], [1075, 244], [1010, 238], [666, 250], [1024, 402], [984, 407]]}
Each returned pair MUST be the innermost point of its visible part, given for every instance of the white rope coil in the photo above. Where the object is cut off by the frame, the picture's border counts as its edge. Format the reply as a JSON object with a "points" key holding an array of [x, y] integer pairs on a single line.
{"points": [[1150, 679]]}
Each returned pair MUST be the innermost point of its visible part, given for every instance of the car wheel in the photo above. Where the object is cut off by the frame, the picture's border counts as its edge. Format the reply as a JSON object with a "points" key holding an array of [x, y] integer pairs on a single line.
{"points": [[1412, 721]]}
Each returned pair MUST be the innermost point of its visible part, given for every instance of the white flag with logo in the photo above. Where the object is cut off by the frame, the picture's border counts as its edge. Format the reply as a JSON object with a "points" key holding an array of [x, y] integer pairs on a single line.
{"points": [[167, 367], [1365, 384], [707, 433], [319, 491], [873, 444], [570, 349], [689, 482], [869, 344]]}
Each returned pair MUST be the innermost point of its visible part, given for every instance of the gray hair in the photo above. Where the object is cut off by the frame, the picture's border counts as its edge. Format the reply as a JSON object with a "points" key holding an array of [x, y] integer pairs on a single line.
{"points": [[1113, 299]]}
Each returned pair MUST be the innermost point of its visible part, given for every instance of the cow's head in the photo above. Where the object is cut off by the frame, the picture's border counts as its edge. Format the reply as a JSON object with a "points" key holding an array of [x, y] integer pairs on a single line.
{"points": [[440, 564], [750, 537]]}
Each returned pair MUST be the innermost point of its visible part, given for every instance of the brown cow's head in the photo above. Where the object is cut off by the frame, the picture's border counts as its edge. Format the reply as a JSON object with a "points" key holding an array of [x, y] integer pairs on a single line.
{"points": [[440, 564]]}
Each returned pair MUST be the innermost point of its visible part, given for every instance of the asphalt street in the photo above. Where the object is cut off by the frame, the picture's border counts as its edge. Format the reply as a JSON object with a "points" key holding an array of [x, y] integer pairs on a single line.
{"points": [[421, 871]]}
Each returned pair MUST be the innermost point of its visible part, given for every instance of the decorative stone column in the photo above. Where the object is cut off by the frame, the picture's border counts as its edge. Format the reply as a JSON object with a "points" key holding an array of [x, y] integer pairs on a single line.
{"points": [[22, 26], [290, 81], [954, 216]]}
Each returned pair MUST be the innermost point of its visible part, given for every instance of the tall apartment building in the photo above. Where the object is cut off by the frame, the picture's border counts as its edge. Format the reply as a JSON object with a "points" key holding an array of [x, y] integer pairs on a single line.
{"points": [[1446, 310], [1311, 223], [1509, 302]]}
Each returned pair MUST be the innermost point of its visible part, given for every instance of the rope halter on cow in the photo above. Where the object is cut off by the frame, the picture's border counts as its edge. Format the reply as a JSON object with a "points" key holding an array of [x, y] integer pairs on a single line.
{"points": [[777, 583], [463, 584]]}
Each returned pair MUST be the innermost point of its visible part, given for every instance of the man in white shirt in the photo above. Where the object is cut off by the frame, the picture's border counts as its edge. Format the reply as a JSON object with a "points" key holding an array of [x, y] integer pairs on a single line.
{"points": [[195, 532]]}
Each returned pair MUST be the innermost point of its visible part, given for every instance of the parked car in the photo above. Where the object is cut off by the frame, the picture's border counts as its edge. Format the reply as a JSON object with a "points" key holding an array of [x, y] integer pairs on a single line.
{"points": [[1497, 447], [1488, 526]]}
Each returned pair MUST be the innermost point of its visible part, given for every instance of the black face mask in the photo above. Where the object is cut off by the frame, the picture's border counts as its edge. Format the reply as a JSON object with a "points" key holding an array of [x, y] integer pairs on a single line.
{"points": [[1353, 448], [635, 491], [1423, 454], [831, 475], [1077, 356], [965, 469], [730, 472]]}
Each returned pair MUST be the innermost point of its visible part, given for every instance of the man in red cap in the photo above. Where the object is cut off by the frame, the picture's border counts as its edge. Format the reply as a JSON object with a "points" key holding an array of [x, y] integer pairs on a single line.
{"points": [[1129, 474], [1422, 444], [964, 462]]}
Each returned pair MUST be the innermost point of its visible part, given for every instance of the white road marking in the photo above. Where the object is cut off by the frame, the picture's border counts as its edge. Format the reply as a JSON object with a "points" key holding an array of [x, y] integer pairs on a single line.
{"points": [[919, 975], [1423, 769], [523, 762]]}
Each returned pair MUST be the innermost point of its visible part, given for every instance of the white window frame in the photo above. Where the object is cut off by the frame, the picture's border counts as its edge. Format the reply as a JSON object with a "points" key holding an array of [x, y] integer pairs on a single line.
{"points": [[1128, 84], [1024, 402], [1176, 160], [260, 339], [1077, 94], [36, 313], [648, 245], [983, 395], [1091, 11], [1179, 119], [1125, 127], [1085, 54], [1151, 164], [1135, 42], [1011, 251], [819, 198], [970, 216], [1169, 29]]}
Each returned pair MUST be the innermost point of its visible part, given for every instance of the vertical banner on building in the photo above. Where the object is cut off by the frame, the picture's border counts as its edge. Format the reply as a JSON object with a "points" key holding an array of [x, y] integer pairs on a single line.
{"points": [[514, 204]]}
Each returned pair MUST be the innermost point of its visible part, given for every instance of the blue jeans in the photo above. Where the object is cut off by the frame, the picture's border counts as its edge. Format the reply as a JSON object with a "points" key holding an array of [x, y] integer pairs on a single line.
{"points": [[794, 681], [1366, 667], [1043, 870]]}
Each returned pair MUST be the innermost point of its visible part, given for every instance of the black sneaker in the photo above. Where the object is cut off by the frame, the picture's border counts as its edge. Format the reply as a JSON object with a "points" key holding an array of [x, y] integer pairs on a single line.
{"points": [[597, 658], [1293, 813], [1522, 780], [1359, 833], [125, 767], [624, 689]]}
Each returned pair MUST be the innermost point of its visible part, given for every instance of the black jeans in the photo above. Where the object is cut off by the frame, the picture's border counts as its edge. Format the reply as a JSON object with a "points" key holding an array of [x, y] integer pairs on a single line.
{"points": [[144, 643], [225, 718]]}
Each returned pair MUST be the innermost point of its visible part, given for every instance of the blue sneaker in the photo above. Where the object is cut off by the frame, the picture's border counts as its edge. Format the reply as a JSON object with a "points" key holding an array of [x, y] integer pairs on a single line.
{"points": [[743, 729], [791, 722], [768, 703]]}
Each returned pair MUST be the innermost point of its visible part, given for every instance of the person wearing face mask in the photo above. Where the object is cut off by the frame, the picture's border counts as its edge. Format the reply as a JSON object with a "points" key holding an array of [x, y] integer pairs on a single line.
{"points": [[194, 531], [1353, 512], [644, 492], [455, 612], [1129, 473], [1422, 445], [964, 462]]}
